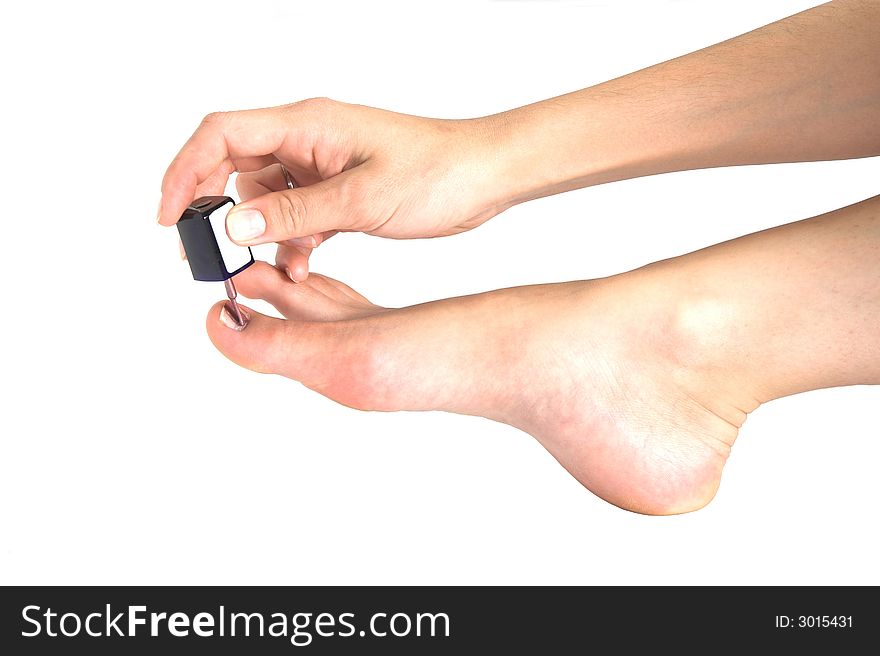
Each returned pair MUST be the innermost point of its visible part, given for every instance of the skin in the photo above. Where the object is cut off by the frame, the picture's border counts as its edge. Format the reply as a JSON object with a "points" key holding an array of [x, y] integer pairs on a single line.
{"points": [[804, 88], [637, 383], [640, 382]]}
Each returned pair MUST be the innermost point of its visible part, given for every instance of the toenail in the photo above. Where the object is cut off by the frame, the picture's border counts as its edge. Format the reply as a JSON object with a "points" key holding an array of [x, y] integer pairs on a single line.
{"points": [[228, 320]]}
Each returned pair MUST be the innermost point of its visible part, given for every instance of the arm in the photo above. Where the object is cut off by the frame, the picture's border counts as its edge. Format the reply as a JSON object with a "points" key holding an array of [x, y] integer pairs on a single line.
{"points": [[804, 88]]}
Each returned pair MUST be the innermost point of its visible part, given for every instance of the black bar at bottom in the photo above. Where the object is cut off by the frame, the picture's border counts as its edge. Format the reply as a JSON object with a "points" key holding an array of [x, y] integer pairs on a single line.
{"points": [[432, 620]]}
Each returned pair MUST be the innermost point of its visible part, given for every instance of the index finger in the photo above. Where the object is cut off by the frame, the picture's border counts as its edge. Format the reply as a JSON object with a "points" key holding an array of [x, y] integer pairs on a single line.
{"points": [[224, 142]]}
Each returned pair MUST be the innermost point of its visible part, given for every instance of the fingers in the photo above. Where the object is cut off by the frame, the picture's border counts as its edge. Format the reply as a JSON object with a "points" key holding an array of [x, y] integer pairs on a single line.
{"points": [[213, 186], [318, 299], [292, 256], [312, 241], [297, 213], [256, 183], [293, 261], [271, 178], [223, 143]]}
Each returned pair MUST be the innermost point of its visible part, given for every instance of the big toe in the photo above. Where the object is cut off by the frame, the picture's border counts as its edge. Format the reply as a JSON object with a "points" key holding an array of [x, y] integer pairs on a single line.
{"points": [[254, 345], [333, 358]]}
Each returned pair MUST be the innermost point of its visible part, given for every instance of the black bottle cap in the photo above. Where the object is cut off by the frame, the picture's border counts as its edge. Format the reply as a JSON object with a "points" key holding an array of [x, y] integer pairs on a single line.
{"points": [[212, 256]]}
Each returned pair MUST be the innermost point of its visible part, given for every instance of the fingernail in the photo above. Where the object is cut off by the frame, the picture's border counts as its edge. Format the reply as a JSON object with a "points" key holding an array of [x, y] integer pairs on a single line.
{"points": [[245, 224], [159, 210], [182, 250], [228, 319], [309, 242], [291, 275]]}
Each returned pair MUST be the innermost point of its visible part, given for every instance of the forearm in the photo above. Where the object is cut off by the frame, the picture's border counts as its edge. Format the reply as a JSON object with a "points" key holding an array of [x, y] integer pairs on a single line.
{"points": [[801, 89]]}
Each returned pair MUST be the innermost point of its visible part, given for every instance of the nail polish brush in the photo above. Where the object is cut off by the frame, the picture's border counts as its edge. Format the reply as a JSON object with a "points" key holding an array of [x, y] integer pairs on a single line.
{"points": [[212, 256]]}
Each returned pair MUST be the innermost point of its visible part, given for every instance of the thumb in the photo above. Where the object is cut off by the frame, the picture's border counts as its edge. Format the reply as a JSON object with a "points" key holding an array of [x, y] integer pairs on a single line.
{"points": [[292, 213]]}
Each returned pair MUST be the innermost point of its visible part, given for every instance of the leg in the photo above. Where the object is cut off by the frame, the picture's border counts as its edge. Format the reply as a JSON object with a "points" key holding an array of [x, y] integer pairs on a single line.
{"points": [[637, 384]]}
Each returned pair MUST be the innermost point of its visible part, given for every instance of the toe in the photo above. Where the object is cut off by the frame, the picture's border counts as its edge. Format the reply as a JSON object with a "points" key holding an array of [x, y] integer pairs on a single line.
{"points": [[332, 358], [316, 299], [256, 346]]}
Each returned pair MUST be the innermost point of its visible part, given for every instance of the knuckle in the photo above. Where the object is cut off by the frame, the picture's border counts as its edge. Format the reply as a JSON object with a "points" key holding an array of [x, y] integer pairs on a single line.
{"points": [[319, 102], [213, 119], [291, 215], [318, 105]]}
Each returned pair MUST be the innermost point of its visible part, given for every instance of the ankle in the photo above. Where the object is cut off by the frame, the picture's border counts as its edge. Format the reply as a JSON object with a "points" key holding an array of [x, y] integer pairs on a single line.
{"points": [[709, 357]]}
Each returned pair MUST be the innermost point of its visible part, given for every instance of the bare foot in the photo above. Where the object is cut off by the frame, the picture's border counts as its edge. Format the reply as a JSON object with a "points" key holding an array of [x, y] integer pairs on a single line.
{"points": [[597, 371], [637, 384]]}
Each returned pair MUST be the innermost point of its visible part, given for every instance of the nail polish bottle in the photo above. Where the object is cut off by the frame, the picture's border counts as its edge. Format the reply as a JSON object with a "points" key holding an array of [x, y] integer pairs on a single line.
{"points": [[211, 254]]}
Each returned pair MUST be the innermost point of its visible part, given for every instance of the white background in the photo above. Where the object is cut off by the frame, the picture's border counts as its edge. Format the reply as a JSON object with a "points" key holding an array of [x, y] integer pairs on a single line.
{"points": [[133, 452]]}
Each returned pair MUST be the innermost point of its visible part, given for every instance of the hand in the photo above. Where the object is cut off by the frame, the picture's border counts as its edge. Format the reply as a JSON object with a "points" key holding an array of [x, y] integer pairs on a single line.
{"points": [[356, 169]]}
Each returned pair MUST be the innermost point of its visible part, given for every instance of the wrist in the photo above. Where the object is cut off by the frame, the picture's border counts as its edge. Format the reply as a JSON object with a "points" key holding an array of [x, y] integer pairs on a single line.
{"points": [[546, 148], [481, 159]]}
